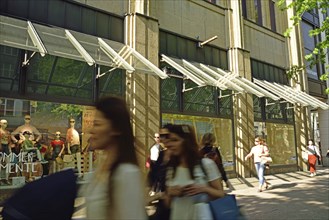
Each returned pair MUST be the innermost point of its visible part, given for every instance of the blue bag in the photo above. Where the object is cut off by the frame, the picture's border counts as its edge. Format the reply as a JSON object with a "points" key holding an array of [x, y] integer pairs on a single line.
{"points": [[225, 208]]}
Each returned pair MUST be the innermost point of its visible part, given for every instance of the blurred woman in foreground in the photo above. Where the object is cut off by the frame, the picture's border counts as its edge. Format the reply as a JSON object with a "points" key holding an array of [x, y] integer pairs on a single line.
{"points": [[116, 191]]}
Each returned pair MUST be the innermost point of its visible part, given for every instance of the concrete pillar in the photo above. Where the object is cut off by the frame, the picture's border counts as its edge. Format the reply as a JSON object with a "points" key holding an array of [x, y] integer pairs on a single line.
{"points": [[142, 90], [324, 134]]}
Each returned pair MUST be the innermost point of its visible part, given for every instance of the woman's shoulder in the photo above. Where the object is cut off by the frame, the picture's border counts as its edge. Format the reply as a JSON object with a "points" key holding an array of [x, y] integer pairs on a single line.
{"points": [[128, 167]]}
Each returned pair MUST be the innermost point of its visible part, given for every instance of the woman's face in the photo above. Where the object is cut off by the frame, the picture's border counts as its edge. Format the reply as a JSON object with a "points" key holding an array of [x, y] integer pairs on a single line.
{"points": [[310, 142], [174, 143], [257, 142], [102, 132]]}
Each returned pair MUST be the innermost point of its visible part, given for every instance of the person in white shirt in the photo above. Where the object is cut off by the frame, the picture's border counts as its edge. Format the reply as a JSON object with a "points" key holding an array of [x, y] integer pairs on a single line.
{"points": [[116, 192], [259, 151], [155, 149]]}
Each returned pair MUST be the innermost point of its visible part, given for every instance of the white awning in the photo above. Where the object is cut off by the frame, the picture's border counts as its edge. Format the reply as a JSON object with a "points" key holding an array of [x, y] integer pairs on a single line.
{"points": [[292, 95], [70, 44], [204, 75]]}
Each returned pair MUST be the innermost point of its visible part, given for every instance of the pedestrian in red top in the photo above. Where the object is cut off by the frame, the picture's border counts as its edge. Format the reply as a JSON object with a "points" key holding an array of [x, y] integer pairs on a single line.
{"points": [[312, 152]]}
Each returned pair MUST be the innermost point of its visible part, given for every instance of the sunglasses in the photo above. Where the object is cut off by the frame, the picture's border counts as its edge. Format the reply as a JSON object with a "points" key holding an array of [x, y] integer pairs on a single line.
{"points": [[164, 136], [27, 118], [72, 121], [156, 137], [57, 134]]}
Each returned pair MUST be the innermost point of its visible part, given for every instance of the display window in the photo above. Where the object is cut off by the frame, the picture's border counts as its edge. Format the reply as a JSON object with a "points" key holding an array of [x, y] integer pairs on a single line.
{"points": [[220, 127], [280, 138], [39, 138]]}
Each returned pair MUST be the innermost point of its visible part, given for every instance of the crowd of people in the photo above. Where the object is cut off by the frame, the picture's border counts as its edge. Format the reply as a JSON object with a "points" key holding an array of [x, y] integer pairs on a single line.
{"points": [[185, 174]]}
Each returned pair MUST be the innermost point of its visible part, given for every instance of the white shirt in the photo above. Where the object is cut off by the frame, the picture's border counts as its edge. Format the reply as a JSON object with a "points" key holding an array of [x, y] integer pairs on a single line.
{"points": [[128, 197], [182, 208], [154, 152]]}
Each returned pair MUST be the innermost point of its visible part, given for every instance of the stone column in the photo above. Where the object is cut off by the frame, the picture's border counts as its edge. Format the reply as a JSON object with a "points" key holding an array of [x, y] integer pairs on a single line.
{"points": [[243, 118], [142, 90]]}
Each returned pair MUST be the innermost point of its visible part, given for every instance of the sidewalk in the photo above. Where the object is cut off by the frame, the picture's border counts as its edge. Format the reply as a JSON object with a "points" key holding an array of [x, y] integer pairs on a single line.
{"points": [[292, 196]]}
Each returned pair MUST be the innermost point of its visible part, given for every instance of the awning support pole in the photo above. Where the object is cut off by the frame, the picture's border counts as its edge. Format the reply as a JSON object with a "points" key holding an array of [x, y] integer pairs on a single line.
{"points": [[26, 61]]}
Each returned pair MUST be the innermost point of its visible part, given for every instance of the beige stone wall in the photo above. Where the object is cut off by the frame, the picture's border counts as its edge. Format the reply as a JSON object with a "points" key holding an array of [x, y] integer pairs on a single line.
{"points": [[265, 45], [193, 19], [119, 7], [143, 92]]}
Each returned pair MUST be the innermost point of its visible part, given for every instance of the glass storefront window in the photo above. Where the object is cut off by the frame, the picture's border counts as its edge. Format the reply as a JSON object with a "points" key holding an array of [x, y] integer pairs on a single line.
{"points": [[47, 118], [59, 77], [220, 127], [9, 71], [280, 139]]}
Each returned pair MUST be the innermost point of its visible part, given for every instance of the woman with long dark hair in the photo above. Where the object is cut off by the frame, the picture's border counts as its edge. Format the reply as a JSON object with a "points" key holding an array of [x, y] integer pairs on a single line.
{"points": [[191, 180], [116, 191]]}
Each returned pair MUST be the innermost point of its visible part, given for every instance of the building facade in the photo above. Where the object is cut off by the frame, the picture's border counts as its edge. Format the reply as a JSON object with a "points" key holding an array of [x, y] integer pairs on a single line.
{"points": [[217, 65]]}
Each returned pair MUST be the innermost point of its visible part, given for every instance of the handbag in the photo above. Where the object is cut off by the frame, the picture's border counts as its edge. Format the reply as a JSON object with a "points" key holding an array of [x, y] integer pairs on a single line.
{"points": [[265, 160], [225, 208]]}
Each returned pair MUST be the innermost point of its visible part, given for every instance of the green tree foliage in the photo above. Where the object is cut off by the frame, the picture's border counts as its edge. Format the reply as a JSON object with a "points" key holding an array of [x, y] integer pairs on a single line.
{"points": [[321, 49]]}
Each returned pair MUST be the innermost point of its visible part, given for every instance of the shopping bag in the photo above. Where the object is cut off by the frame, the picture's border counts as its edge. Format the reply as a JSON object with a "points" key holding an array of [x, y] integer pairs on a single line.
{"points": [[50, 198], [266, 160], [224, 208]]}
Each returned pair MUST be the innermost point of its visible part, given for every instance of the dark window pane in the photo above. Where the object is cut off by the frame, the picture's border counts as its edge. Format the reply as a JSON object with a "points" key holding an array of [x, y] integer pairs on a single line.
{"points": [[9, 63], [223, 60], [266, 72], [172, 45], [170, 94], [208, 56], [88, 21], [102, 25], [254, 69], [261, 70], [272, 15], [163, 43], [215, 58], [60, 77], [257, 108], [181, 48], [116, 29], [56, 13], [112, 83], [38, 10], [199, 99], [200, 55], [73, 17], [272, 78], [225, 103], [191, 50], [18, 7]]}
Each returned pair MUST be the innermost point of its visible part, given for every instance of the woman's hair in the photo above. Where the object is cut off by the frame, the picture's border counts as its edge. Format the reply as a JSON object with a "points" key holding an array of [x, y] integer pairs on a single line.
{"points": [[189, 145], [115, 110], [208, 139], [259, 139]]}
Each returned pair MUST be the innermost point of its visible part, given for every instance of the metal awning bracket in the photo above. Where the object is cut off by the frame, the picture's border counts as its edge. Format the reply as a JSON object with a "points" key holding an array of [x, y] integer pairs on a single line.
{"points": [[26, 61], [99, 75], [223, 96], [189, 89]]}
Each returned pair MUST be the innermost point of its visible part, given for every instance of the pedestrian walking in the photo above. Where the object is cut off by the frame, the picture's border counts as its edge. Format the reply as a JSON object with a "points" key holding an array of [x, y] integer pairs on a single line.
{"points": [[191, 180], [116, 190], [258, 151], [313, 154], [210, 151]]}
